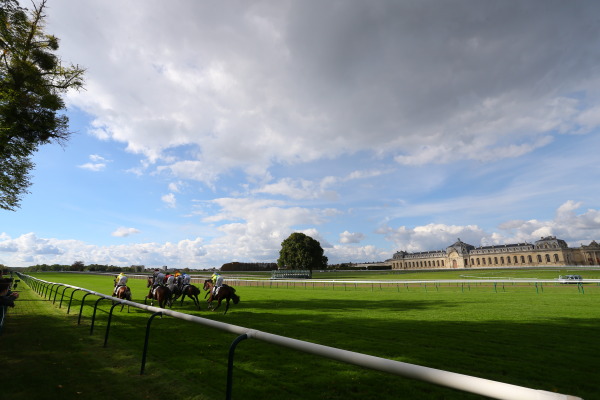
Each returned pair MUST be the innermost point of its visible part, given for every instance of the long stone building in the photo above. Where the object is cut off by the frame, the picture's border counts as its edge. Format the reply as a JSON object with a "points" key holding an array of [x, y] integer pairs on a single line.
{"points": [[548, 251]]}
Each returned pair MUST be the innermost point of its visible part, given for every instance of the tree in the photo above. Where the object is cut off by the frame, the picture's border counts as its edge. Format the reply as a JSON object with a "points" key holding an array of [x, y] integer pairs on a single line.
{"points": [[300, 251], [77, 266], [32, 79]]}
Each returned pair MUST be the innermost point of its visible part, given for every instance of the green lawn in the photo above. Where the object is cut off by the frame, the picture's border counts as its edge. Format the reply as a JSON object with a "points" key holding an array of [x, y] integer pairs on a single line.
{"points": [[543, 339]]}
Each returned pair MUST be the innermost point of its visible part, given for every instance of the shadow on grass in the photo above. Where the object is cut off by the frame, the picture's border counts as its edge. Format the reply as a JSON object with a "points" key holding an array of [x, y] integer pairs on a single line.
{"points": [[557, 354]]}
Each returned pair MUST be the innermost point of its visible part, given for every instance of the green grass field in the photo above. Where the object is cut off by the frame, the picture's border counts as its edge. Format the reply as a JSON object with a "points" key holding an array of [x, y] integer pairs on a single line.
{"points": [[543, 339]]}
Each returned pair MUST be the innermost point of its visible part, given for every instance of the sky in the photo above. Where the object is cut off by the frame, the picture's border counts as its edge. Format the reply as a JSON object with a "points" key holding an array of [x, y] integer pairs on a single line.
{"points": [[208, 132]]}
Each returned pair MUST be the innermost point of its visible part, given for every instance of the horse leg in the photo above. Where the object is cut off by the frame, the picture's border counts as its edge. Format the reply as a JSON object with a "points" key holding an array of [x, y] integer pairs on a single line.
{"points": [[196, 301], [226, 306], [218, 304]]}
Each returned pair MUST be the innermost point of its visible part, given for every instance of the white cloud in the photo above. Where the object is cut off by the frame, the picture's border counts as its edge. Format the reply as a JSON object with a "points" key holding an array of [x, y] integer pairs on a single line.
{"points": [[124, 232], [282, 84], [97, 158], [257, 237], [574, 228], [93, 167], [348, 237], [432, 236], [98, 163], [169, 200]]}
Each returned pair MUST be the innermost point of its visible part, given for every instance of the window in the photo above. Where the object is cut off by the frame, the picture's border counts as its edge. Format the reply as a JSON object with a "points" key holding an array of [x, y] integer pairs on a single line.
{"points": [[483, 259], [522, 259], [501, 260], [547, 257], [516, 260], [539, 258], [495, 260], [508, 260], [478, 261], [530, 260], [556, 258]]}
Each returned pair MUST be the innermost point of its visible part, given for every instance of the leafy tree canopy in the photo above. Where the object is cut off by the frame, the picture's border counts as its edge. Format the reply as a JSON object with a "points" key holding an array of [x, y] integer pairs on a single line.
{"points": [[300, 251], [32, 80]]}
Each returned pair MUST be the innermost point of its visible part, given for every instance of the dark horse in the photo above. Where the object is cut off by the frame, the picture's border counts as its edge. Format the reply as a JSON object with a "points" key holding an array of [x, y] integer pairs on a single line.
{"points": [[161, 294], [123, 292], [225, 292], [188, 290], [192, 292]]}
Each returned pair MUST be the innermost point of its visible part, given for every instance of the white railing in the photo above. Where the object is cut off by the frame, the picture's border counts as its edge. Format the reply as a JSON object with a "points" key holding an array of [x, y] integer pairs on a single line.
{"points": [[466, 383]]}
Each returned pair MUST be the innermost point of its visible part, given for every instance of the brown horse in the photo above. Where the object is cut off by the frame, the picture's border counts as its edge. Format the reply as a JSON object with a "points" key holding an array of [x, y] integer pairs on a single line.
{"points": [[192, 292], [225, 292], [161, 294], [123, 292]]}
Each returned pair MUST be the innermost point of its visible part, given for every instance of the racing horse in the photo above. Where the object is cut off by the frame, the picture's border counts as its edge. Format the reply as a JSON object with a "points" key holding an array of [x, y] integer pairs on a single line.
{"points": [[188, 290], [192, 292], [124, 293], [161, 294], [225, 292]]}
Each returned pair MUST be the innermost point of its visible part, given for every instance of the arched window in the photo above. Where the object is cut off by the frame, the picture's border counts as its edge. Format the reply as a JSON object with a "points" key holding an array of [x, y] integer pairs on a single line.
{"points": [[490, 260], [496, 260], [539, 258], [556, 258], [530, 260], [516, 260], [442, 263], [522, 259], [501, 260], [478, 261], [508, 260], [483, 259], [547, 257]]}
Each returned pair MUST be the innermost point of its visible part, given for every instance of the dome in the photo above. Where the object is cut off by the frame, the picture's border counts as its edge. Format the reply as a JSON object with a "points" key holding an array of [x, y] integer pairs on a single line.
{"points": [[460, 247]]}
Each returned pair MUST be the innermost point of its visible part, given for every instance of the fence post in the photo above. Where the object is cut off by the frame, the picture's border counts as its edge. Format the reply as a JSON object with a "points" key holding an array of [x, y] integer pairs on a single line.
{"points": [[108, 323], [94, 315], [71, 300], [62, 296], [230, 364], [56, 292], [146, 340], [81, 308]]}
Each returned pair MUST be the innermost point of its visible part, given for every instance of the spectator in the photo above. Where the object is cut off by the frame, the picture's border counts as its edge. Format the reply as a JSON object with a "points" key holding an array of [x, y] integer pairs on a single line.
{"points": [[7, 297]]}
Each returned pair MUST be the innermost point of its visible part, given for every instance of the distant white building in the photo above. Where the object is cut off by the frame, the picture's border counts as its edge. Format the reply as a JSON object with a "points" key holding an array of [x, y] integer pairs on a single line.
{"points": [[548, 251]]}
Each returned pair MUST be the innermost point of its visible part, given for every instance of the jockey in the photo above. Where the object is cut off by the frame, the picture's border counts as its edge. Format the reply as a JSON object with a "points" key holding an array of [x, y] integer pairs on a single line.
{"points": [[186, 279], [120, 280], [159, 278], [217, 281], [170, 282]]}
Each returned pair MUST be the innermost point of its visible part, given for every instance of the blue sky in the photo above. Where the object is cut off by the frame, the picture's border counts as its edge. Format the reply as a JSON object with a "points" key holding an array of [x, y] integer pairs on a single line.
{"points": [[209, 132]]}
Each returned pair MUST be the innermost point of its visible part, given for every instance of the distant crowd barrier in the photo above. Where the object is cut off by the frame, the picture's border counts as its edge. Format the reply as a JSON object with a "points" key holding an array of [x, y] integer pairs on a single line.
{"points": [[291, 274], [407, 285], [466, 383]]}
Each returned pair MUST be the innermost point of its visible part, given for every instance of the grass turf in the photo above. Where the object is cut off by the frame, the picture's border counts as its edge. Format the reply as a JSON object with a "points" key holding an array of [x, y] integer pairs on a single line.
{"points": [[544, 340]]}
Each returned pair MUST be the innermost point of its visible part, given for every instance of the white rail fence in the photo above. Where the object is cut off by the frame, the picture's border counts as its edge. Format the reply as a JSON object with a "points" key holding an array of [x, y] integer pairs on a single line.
{"points": [[466, 383]]}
